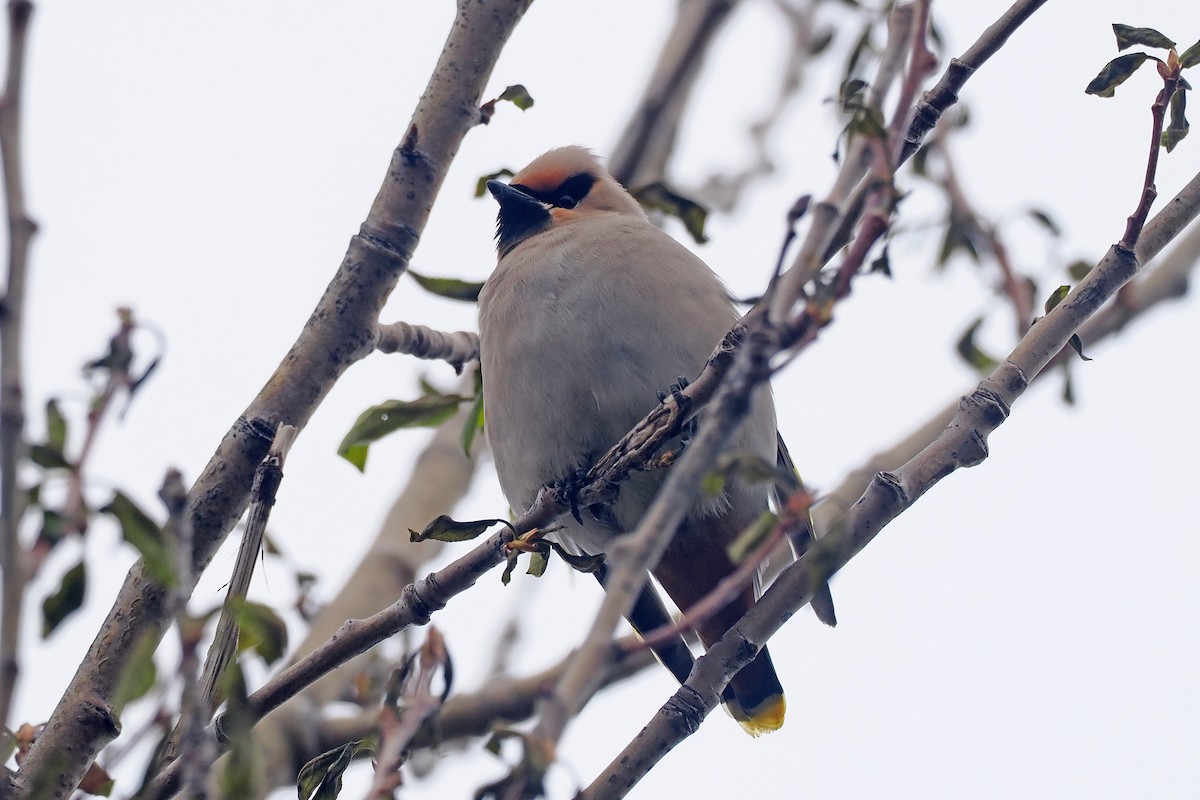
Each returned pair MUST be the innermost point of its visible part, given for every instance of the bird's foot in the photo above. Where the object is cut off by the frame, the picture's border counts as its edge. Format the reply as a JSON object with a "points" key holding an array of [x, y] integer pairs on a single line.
{"points": [[567, 488], [675, 391]]}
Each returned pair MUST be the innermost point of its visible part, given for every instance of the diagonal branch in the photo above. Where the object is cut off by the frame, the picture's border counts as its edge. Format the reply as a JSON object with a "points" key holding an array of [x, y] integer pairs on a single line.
{"points": [[962, 443], [340, 331]]}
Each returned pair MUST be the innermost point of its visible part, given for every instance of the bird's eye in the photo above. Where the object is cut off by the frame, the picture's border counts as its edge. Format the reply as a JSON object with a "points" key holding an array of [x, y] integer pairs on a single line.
{"points": [[566, 201]]}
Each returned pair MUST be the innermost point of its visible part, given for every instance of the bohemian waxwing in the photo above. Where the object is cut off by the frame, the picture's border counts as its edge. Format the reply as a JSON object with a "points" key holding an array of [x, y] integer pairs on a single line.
{"points": [[589, 314]]}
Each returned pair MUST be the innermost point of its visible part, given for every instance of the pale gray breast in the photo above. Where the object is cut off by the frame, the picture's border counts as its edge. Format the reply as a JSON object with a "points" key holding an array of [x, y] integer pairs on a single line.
{"points": [[579, 328]]}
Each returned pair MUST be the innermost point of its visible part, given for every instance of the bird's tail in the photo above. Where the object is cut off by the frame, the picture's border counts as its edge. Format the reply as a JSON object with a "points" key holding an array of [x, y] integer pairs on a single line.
{"points": [[694, 563], [758, 703]]}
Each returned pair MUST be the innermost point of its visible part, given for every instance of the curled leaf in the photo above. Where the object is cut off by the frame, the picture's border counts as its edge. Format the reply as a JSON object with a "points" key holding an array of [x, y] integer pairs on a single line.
{"points": [[321, 778], [147, 538], [971, 352], [1190, 57], [378, 421], [659, 197], [518, 95], [1115, 73], [450, 288], [1056, 297], [581, 562], [262, 630], [445, 529], [66, 600], [1077, 343], [1128, 36], [1178, 126]]}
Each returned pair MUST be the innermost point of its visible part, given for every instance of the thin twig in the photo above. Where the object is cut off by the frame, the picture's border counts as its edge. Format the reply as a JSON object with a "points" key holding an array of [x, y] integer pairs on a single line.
{"points": [[1158, 112], [417, 703], [21, 228], [456, 348], [945, 93]]}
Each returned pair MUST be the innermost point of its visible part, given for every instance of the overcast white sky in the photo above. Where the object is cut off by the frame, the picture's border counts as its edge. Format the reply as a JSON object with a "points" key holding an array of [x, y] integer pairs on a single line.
{"points": [[1031, 628]]}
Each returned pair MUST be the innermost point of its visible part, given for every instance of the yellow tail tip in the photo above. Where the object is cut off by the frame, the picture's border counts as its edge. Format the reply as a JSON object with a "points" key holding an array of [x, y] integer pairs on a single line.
{"points": [[764, 718]]}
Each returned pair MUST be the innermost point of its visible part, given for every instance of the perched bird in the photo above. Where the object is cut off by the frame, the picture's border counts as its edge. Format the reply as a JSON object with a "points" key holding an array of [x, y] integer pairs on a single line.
{"points": [[591, 312]]}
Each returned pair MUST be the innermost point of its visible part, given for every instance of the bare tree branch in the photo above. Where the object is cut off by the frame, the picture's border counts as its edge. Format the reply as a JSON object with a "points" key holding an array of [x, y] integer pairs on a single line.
{"points": [[340, 331], [21, 228], [945, 93], [417, 340]]}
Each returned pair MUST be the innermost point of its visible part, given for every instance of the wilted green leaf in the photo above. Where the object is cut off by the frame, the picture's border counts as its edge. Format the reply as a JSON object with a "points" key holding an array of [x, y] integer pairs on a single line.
{"points": [[445, 529], [1178, 126], [538, 562], [660, 198], [146, 537], [509, 566], [48, 457], [1077, 343], [850, 94], [67, 600], [1056, 297], [580, 563], [1078, 270], [883, 264], [1190, 57], [139, 673], [749, 540], [1115, 73], [518, 95], [321, 778], [262, 630], [481, 184], [1128, 36], [56, 426], [378, 421], [450, 288], [970, 351]]}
